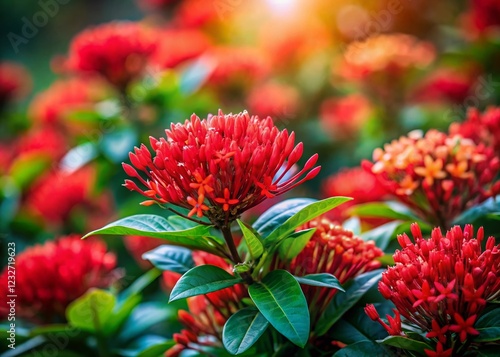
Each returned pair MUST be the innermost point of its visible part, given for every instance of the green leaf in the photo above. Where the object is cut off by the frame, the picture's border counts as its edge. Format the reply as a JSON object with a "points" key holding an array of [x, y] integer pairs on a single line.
{"points": [[197, 237], [156, 350], [341, 303], [91, 311], [325, 280], [488, 334], [383, 210], [28, 168], [243, 329], [278, 214], [170, 258], [488, 207], [202, 279], [281, 300], [143, 317], [291, 246], [255, 247], [490, 319], [302, 216], [382, 235], [406, 343], [140, 284], [362, 349]]}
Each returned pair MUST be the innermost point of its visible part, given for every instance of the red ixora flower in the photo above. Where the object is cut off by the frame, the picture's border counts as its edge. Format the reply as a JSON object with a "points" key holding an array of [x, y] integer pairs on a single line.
{"points": [[118, 51], [441, 285], [218, 167], [207, 313], [438, 175], [335, 250], [15, 82], [481, 127], [52, 275]]}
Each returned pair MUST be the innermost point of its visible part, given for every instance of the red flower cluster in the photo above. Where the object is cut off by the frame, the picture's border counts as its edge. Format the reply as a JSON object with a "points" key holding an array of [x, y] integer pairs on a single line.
{"points": [[52, 275], [484, 15], [45, 142], [391, 54], [445, 85], [335, 250], [15, 82], [207, 313], [177, 46], [355, 182], [54, 105], [118, 51], [343, 117], [219, 167], [276, 100], [437, 175], [480, 127], [441, 285], [196, 13], [56, 194]]}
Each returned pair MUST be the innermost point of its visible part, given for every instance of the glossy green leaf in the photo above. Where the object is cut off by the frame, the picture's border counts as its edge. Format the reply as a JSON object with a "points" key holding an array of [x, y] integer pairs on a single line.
{"points": [[490, 319], [243, 329], [488, 334], [197, 237], [362, 349], [156, 350], [278, 214], [170, 258], [281, 300], [382, 235], [304, 215], [291, 246], [488, 207], [341, 303], [383, 210], [324, 280], [406, 343], [254, 245], [202, 279], [91, 311]]}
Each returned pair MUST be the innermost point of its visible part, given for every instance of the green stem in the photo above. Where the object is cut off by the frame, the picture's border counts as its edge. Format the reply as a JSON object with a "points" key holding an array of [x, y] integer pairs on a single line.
{"points": [[228, 237]]}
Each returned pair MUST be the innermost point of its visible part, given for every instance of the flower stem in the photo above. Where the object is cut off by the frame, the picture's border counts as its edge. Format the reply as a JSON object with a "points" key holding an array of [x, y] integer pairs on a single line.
{"points": [[228, 237]]}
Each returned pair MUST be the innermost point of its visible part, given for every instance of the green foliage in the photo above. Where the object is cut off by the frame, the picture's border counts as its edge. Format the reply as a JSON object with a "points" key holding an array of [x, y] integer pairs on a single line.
{"points": [[280, 299], [202, 279], [169, 258], [253, 243], [406, 344], [92, 311], [324, 280], [243, 329], [291, 246]]}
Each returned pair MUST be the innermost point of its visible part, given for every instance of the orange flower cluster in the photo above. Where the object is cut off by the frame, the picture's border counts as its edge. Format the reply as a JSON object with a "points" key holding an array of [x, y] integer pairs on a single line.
{"points": [[441, 285], [50, 276], [391, 54], [438, 175]]}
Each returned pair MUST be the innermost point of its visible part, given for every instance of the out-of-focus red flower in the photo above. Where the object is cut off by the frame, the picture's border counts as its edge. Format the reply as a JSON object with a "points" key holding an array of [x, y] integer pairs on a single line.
{"points": [[481, 127], [220, 166], [442, 284], [335, 250], [445, 85], [118, 51], [175, 46], [197, 13], [233, 65], [137, 246], [55, 105], [207, 313], [15, 82], [56, 194], [50, 276], [438, 175], [355, 182], [45, 141], [276, 100], [343, 117], [388, 54], [483, 16]]}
